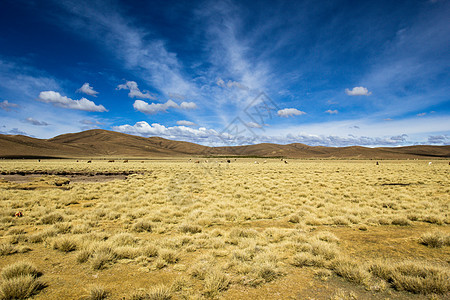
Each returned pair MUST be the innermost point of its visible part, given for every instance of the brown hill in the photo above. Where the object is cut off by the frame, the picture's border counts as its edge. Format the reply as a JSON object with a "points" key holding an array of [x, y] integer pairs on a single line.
{"points": [[103, 143]]}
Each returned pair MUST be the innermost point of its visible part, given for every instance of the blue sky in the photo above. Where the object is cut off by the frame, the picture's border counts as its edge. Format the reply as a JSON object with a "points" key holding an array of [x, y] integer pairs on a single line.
{"points": [[330, 73]]}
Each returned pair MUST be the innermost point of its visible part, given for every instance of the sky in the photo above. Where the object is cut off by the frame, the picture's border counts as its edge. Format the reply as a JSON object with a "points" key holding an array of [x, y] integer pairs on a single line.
{"points": [[323, 73]]}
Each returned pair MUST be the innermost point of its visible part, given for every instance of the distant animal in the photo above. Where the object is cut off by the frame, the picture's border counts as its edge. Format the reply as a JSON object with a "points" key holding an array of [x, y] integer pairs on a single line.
{"points": [[285, 162], [256, 162], [265, 161], [430, 163], [112, 160], [125, 161], [142, 161], [228, 161], [377, 163], [89, 161], [18, 214], [197, 161]]}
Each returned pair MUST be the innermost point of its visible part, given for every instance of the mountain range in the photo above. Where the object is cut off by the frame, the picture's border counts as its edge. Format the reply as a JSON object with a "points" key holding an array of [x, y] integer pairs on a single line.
{"points": [[99, 143]]}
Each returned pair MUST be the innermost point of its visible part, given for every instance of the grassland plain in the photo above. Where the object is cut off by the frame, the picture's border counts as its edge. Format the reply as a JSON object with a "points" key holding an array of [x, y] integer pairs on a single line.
{"points": [[175, 229]]}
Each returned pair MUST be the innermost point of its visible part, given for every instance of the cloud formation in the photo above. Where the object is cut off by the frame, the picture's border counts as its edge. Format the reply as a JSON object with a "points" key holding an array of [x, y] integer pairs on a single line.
{"points": [[135, 92], [36, 122], [332, 112], [288, 112], [358, 91], [186, 123], [211, 137], [154, 108], [5, 105], [57, 99], [87, 89]]}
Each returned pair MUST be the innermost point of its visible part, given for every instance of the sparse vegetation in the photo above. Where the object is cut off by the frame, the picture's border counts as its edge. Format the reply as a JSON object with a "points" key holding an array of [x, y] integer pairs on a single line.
{"points": [[175, 229]]}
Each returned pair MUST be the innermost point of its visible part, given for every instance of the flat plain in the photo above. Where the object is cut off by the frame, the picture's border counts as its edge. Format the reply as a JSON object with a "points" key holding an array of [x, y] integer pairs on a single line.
{"points": [[248, 229]]}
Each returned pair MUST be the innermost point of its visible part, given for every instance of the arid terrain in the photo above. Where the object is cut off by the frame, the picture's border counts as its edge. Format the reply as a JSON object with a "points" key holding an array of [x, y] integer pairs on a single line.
{"points": [[99, 143], [254, 228]]}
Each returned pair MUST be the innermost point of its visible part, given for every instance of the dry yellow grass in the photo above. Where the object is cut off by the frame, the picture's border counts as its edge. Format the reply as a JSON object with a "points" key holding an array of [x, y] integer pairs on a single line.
{"points": [[176, 229]]}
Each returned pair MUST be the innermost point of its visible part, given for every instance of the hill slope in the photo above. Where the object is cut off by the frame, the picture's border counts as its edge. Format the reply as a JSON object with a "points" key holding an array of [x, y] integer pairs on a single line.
{"points": [[103, 143]]}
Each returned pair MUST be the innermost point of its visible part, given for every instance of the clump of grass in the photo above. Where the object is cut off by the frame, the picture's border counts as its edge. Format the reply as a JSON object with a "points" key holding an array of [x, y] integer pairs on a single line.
{"points": [[149, 251], [433, 219], [324, 249], [169, 256], [39, 237], [351, 270], [52, 218], [243, 233], [401, 221], [65, 243], [435, 239], [21, 268], [62, 228], [20, 281], [102, 257], [20, 287], [215, 283], [83, 255], [159, 292], [420, 278], [323, 274], [7, 249], [415, 277], [142, 226], [123, 239], [188, 228], [97, 293], [306, 259]]}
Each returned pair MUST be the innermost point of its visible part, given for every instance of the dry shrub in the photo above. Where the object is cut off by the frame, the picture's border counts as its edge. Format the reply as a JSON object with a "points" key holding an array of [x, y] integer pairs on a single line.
{"points": [[142, 226], [420, 278], [215, 283], [65, 243], [21, 268], [187, 228], [52, 218], [351, 270], [102, 256], [149, 251], [39, 237], [415, 277], [123, 239], [127, 252], [324, 249], [435, 239], [97, 293], [20, 287], [169, 256], [7, 249], [243, 233], [401, 221], [305, 259]]}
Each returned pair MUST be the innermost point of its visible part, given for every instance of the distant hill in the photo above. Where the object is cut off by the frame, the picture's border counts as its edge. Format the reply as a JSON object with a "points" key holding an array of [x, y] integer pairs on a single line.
{"points": [[103, 143]]}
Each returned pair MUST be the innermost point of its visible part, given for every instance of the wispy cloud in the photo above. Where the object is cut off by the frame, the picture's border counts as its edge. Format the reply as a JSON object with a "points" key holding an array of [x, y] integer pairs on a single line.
{"points": [[135, 92], [186, 123], [57, 99], [332, 112], [36, 122], [87, 89], [6, 105]]}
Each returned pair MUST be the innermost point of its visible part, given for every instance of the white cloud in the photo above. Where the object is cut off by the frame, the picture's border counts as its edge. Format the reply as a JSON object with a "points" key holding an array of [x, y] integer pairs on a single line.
{"points": [[154, 108], [57, 99], [134, 90], [254, 125], [200, 135], [220, 82], [5, 105], [421, 114], [186, 123], [36, 122], [288, 112], [87, 89], [331, 112], [358, 91], [188, 105]]}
